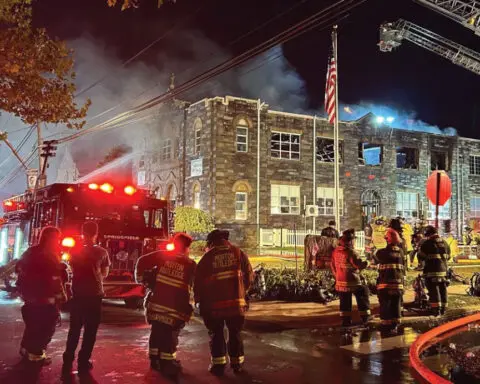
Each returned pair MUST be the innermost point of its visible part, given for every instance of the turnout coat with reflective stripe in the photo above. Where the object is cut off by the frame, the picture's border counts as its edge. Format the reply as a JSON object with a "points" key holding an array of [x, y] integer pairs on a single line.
{"points": [[391, 268], [346, 266], [223, 277], [169, 302], [435, 252]]}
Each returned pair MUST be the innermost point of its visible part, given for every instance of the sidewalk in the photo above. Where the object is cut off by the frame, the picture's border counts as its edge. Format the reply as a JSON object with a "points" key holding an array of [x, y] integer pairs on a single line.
{"points": [[271, 316]]}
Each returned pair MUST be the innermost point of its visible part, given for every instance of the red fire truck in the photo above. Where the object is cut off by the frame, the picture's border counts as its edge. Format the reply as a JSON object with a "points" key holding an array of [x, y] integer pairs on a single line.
{"points": [[131, 223]]}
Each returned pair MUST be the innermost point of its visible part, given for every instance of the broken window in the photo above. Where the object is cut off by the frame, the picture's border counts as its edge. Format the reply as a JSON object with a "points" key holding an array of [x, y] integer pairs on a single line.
{"points": [[407, 158], [370, 154], [438, 161], [325, 150]]}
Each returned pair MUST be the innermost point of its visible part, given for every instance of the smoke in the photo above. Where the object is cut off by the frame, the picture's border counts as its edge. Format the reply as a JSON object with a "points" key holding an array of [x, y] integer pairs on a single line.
{"points": [[401, 119]]}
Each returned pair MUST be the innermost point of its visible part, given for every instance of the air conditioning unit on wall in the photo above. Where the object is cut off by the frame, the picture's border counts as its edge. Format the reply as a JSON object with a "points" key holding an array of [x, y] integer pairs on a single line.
{"points": [[311, 211]]}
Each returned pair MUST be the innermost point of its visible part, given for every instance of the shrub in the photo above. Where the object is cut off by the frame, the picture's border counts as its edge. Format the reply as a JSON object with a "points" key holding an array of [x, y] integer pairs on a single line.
{"points": [[198, 246], [193, 221]]}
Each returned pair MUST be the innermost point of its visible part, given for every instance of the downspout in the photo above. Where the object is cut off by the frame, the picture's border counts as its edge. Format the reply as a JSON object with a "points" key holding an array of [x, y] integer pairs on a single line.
{"points": [[184, 160], [213, 139]]}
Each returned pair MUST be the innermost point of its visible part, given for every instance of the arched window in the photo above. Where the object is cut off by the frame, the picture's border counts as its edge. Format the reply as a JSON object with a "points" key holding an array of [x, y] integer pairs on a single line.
{"points": [[197, 128], [196, 196], [172, 195], [241, 136], [241, 189], [159, 192]]}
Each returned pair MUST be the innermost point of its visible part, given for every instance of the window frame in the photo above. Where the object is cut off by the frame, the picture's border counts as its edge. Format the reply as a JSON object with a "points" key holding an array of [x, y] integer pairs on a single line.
{"points": [[444, 211], [281, 143], [403, 200], [197, 141], [361, 150], [292, 209], [325, 197], [477, 205], [417, 157], [341, 147], [475, 166], [241, 214], [237, 135], [167, 149]]}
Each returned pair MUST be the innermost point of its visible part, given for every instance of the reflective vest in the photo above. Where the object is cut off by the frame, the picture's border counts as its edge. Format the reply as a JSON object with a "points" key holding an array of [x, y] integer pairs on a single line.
{"points": [[346, 266], [407, 235], [453, 244], [435, 252], [378, 236], [169, 302], [223, 277], [391, 268]]}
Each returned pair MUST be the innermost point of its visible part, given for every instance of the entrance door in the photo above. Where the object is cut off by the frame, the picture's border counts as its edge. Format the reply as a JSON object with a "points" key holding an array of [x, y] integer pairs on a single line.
{"points": [[370, 205]]}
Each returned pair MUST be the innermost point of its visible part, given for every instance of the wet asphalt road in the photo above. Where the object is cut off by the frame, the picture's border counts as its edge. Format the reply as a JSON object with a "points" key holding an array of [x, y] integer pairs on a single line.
{"points": [[299, 356]]}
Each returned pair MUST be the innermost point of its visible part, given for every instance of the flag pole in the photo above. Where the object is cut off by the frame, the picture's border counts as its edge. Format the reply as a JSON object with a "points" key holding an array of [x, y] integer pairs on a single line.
{"points": [[314, 192], [335, 135]]}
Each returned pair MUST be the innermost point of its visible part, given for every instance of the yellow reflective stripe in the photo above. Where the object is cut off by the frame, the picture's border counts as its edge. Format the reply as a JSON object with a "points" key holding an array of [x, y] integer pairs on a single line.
{"points": [[229, 303], [390, 266], [170, 311], [364, 313], [168, 356], [219, 360], [237, 360], [435, 256], [172, 282], [436, 274], [347, 284], [33, 357], [390, 286], [226, 275]]}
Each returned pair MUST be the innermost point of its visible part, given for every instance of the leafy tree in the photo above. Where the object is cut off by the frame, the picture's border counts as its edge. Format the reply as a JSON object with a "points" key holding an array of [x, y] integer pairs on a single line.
{"points": [[193, 221], [114, 154], [36, 71], [126, 4]]}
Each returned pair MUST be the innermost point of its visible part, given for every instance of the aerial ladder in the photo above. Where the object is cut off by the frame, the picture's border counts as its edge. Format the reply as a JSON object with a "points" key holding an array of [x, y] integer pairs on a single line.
{"points": [[464, 12], [393, 34]]}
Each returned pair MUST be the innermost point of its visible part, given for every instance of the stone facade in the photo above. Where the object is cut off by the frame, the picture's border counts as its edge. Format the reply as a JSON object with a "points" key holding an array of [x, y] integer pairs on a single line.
{"points": [[215, 168]]}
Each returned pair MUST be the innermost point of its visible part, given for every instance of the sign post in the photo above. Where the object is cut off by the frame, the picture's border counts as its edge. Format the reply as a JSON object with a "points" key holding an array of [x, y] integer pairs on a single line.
{"points": [[439, 191]]}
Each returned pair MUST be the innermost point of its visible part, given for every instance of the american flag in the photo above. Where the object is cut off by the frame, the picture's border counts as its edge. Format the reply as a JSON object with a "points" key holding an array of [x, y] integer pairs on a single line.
{"points": [[330, 90]]}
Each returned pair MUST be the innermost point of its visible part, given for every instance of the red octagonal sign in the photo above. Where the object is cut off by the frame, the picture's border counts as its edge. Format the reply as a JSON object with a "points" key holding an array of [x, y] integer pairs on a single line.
{"points": [[440, 180]]}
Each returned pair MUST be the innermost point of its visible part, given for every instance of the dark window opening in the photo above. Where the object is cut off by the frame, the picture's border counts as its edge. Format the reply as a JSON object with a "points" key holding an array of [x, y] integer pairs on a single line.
{"points": [[370, 154], [407, 158], [141, 163], [325, 150], [438, 161]]}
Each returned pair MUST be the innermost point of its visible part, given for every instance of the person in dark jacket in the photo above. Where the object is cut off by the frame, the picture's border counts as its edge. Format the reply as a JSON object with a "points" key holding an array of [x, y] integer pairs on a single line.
{"points": [[391, 274], [90, 264], [435, 253], [346, 266], [331, 230], [40, 285], [222, 280]]}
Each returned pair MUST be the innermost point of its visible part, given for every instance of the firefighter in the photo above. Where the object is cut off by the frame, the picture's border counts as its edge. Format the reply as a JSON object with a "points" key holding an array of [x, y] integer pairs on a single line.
{"points": [[346, 266], [40, 285], [90, 264], [391, 276], [417, 239], [468, 236], [435, 252], [168, 305], [331, 230], [223, 277], [368, 231], [379, 227]]}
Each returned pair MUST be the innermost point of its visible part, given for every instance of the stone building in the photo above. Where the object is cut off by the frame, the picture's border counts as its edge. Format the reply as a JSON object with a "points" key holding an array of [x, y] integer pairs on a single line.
{"points": [[207, 158]]}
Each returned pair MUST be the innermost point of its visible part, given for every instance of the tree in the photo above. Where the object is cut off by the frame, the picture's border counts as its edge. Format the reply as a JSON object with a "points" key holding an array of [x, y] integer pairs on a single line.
{"points": [[193, 221], [36, 71], [126, 4], [114, 154]]}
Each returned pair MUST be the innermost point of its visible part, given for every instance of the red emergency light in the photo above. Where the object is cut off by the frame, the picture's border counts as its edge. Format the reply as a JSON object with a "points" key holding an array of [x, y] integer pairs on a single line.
{"points": [[8, 203], [107, 188], [129, 190], [68, 242], [93, 186], [170, 247]]}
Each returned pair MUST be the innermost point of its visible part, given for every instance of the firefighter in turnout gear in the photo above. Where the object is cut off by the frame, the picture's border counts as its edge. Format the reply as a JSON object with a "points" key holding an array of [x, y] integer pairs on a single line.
{"points": [[41, 287], [223, 277], [391, 274], [435, 254], [330, 231], [346, 266], [168, 305]]}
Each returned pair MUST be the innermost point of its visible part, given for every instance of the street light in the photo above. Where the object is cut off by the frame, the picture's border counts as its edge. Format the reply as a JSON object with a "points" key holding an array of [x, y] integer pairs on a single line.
{"points": [[380, 119], [390, 119]]}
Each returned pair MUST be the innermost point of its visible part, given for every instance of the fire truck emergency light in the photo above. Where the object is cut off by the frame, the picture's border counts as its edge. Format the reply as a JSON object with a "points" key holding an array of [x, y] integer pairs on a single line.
{"points": [[129, 190], [107, 188], [70, 189], [65, 256], [8, 203], [68, 242], [93, 186], [170, 247]]}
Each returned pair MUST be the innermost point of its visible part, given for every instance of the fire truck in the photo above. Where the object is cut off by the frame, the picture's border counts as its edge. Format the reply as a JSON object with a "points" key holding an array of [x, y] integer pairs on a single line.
{"points": [[131, 223]]}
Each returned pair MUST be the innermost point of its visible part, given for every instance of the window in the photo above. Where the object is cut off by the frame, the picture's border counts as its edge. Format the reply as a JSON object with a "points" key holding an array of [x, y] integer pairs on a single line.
{"points": [[141, 163], [326, 201], [438, 161], [198, 134], [240, 206], [242, 136], [167, 149], [370, 154], [196, 196], [475, 165], [443, 211], [157, 218], [325, 150], [285, 200], [407, 158], [285, 146], [475, 206], [407, 204]]}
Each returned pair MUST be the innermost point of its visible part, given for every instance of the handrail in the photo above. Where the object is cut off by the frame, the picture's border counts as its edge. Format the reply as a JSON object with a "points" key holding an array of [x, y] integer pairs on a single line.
{"points": [[426, 340]]}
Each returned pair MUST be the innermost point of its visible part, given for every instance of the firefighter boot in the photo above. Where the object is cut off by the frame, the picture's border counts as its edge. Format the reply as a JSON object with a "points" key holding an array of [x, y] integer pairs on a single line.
{"points": [[84, 367], [155, 363], [170, 368], [217, 369], [237, 368]]}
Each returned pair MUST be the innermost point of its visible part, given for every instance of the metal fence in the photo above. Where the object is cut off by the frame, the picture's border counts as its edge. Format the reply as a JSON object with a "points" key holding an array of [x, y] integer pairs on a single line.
{"points": [[281, 237]]}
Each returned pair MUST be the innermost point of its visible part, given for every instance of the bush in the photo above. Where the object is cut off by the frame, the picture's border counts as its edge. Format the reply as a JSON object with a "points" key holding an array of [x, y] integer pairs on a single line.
{"points": [[198, 246], [193, 221]]}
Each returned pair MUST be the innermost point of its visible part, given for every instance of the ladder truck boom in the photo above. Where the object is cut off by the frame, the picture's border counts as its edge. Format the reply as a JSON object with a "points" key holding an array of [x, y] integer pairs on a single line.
{"points": [[465, 12], [392, 35]]}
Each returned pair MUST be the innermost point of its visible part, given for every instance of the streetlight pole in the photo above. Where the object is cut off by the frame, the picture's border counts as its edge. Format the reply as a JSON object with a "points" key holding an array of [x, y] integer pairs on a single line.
{"points": [[259, 109]]}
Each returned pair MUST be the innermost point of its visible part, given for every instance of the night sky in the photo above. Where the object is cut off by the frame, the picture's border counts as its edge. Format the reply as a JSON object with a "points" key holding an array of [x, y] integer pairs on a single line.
{"points": [[411, 78]]}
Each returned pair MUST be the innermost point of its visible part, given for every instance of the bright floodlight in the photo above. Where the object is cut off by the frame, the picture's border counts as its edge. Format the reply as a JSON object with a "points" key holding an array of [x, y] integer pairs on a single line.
{"points": [[390, 119], [380, 119]]}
